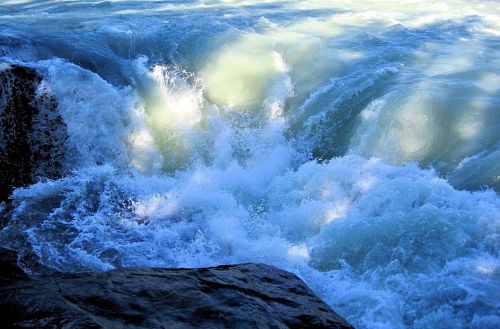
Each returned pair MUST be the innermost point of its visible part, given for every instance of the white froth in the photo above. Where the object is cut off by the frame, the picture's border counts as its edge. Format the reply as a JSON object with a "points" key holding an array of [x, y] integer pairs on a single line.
{"points": [[332, 139]]}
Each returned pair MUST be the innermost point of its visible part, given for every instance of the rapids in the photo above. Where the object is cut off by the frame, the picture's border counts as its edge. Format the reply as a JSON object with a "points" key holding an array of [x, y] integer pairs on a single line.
{"points": [[354, 144]]}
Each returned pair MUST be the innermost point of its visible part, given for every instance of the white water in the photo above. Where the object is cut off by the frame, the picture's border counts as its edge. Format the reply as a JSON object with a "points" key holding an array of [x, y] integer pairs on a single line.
{"points": [[354, 145]]}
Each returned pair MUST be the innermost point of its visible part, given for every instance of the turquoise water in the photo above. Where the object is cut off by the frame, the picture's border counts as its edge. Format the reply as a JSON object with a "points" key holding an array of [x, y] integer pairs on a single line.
{"points": [[356, 145]]}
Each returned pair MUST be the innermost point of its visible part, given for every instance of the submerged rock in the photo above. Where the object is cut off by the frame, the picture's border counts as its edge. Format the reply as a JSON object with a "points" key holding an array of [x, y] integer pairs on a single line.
{"points": [[32, 132], [229, 296]]}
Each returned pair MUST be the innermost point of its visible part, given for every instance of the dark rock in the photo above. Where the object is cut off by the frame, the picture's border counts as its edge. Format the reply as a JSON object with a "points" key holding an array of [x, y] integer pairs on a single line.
{"points": [[32, 133], [229, 296]]}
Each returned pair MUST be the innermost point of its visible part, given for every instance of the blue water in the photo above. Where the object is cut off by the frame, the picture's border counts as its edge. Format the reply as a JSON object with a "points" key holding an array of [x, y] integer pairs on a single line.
{"points": [[356, 145]]}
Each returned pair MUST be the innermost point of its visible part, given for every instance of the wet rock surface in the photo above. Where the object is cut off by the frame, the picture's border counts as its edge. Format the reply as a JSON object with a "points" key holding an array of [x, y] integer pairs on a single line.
{"points": [[32, 133], [229, 296]]}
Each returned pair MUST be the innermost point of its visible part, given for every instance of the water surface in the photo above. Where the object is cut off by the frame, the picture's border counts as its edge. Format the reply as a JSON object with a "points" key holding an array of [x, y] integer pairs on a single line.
{"points": [[356, 145]]}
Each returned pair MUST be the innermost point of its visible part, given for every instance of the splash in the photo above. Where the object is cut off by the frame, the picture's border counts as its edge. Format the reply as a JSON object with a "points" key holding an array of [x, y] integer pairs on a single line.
{"points": [[354, 145]]}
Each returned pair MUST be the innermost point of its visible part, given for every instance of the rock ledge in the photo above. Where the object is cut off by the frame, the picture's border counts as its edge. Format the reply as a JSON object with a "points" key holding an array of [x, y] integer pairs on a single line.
{"points": [[228, 296]]}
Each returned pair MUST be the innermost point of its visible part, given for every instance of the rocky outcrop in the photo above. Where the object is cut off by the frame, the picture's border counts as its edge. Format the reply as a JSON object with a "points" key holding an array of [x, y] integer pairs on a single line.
{"points": [[32, 133], [229, 296]]}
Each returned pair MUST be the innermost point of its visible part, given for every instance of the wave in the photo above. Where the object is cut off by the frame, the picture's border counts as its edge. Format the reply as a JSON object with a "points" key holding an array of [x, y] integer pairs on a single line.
{"points": [[356, 147]]}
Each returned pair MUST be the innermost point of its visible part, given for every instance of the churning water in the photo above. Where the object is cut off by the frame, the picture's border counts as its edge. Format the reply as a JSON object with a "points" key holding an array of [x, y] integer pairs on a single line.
{"points": [[354, 144]]}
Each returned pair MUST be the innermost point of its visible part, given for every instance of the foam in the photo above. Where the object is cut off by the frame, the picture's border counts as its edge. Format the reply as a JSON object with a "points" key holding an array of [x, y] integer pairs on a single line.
{"points": [[354, 145], [386, 235]]}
